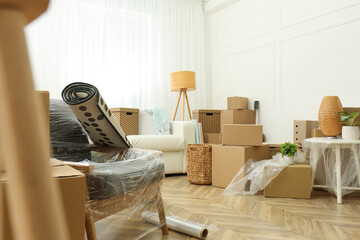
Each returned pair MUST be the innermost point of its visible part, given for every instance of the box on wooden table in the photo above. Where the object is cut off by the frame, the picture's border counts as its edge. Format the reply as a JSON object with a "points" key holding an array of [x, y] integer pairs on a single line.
{"points": [[242, 135], [228, 160], [212, 138], [209, 119], [238, 117], [128, 119], [237, 103], [302, 129], [317, 133], [72, 186], [292, 182]]}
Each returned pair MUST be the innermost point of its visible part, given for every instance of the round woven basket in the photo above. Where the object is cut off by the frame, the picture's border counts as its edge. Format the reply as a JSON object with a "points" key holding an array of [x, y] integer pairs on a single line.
{"points": [[329, 122], [198, 157]]}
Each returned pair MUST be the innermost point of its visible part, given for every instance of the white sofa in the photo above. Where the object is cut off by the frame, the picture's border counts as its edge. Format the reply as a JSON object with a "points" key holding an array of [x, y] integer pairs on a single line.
{"points": [[173, 146]]}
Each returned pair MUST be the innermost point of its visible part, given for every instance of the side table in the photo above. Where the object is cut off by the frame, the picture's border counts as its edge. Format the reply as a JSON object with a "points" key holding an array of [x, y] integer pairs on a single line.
{"points": [[320, 147]]}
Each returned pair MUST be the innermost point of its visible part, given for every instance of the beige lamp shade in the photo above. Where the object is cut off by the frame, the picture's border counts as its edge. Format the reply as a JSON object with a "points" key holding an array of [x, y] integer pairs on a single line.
{"points": [[183, 80]]}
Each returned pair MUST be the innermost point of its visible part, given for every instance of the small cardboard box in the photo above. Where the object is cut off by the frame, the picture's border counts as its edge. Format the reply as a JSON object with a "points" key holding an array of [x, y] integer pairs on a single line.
{"points": [[72, 186], [213, 138], [317, 133], [228, 160], [209, 119], [242, 135], [292, 182], [238, 117], [351, 109], [128, 119], [237, 103], [302, 129]]}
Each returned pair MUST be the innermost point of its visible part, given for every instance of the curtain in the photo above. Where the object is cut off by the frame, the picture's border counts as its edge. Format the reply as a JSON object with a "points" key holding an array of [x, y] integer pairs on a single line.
{"points": [[126, 48]]}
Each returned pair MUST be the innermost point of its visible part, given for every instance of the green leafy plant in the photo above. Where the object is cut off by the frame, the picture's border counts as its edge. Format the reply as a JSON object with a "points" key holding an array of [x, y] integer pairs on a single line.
{"points": [[288, 149], [349, 119]]}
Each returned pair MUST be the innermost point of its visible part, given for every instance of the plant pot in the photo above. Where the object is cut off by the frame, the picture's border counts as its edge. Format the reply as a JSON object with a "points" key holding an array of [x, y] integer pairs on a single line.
{"points": [[350, 132], [329, 122], [289, 159]]}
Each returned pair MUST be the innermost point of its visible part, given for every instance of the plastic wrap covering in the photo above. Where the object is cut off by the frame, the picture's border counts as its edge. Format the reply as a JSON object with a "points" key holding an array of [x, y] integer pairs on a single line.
{"points": [[323, 153], [122, 183], [255, 175], [68, 139]]}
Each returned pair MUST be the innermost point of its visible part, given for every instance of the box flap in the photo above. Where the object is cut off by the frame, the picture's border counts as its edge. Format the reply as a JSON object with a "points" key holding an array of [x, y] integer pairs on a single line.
{"points": [[64, 172], [54, 162]]}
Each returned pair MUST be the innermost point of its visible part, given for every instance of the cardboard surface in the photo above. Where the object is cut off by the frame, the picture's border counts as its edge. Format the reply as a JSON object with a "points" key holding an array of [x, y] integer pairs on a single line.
{"points": [[228, 160], [73, 189], [302, 129], [237, 103], [213, 138], [317, 133], [54, 162], [209, 118], [292, 182], [238, 117], [351, 109], [242, 135]]}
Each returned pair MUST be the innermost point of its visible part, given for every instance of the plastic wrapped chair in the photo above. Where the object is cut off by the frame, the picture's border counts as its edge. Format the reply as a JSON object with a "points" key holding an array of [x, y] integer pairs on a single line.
{"points": [[117, 179]]}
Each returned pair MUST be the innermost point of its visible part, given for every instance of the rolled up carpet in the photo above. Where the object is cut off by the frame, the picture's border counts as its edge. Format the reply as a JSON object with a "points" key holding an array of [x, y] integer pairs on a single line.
{"points": [[94, 115]]}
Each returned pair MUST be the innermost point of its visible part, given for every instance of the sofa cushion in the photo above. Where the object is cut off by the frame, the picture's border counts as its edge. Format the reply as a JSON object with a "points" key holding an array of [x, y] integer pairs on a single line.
{"points": [[165, 143]]}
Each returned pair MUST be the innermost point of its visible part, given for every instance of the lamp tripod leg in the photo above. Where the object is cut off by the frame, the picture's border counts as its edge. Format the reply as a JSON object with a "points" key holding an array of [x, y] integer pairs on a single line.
{"points": [[183, 104], [177, 105], [188, 105]]}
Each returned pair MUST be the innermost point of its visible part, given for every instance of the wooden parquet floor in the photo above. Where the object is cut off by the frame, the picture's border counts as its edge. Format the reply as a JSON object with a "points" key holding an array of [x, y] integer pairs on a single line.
{"points": [[256, 217]]}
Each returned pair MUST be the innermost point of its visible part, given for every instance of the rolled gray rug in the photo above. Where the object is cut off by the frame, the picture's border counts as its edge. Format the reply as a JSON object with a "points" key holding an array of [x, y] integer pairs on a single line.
{"points": [[94, 115]]}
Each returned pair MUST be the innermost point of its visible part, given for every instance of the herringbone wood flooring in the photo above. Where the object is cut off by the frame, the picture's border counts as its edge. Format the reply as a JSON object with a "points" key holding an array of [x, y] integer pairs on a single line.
{"points": [[256, 217]]}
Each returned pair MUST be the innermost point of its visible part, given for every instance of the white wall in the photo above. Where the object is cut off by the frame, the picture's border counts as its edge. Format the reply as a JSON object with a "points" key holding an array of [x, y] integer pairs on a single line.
{"points": [[287, 54]]}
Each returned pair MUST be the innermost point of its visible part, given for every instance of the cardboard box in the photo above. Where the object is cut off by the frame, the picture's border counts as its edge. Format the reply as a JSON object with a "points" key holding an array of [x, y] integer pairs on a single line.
{"points": [[238, 117], [209, 119], [242, 135], [128, 119], [72, 185], [351, 109], [228, 160], [274, 148], [292, 182], [317, 133], [213, 138], [302, 129], [237, 103]]}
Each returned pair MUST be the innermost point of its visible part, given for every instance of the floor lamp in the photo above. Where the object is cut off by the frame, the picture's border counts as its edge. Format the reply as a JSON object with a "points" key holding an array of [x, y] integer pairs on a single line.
{"points": [[182, 82]]}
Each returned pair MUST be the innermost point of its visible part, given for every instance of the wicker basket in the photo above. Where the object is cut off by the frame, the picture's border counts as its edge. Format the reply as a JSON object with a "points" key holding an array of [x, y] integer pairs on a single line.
{"points": [[198, 157], [329, 122]]}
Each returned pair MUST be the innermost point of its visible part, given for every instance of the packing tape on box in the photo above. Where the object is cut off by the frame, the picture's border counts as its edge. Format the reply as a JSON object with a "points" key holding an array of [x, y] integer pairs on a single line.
{"points": [[94, 115]]}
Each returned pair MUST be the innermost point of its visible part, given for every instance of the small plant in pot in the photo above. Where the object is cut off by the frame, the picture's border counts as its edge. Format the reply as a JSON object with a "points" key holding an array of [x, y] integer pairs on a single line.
{"points": [[288, 151], [350, 129]]}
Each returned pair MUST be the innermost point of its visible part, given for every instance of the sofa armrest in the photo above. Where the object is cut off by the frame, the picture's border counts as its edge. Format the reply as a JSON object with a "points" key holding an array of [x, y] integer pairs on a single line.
{"points": [[185, 129]]}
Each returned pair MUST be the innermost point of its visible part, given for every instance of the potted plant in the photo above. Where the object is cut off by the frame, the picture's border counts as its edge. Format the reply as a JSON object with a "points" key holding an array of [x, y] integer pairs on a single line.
{"points": [[350, 129], [288, 151]]}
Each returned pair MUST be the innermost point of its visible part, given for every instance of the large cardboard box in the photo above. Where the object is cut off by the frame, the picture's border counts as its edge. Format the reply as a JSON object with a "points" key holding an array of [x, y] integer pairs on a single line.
{"points": [[128, 119], [209, 119], [242, 134], [237, 103], [292, 182], [213, 138], [228, 160], [72, 185], [238, 117], [302, 129]]}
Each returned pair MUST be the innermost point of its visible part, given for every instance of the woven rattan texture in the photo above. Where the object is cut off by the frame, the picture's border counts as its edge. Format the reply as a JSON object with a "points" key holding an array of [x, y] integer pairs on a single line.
{"points": [[128, 119], [198, 157]]}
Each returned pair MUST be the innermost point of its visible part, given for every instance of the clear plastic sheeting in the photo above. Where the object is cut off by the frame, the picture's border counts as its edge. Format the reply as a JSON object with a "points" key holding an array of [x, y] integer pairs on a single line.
{"points": [[323, 154], [255, 175], [122, 183]]}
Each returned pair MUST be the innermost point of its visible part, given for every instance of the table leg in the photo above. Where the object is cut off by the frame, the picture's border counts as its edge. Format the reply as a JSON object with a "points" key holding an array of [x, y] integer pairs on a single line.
{"points": [[357, 161], [338, 175], [314, 157]]}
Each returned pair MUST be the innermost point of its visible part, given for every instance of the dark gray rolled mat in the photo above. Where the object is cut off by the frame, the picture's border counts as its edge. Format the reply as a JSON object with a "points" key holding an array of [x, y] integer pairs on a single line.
{"points": [[94, 115]]}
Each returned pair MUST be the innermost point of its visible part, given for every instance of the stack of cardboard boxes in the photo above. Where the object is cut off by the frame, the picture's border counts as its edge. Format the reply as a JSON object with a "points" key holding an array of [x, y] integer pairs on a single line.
{"points": [[241, 140]]}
